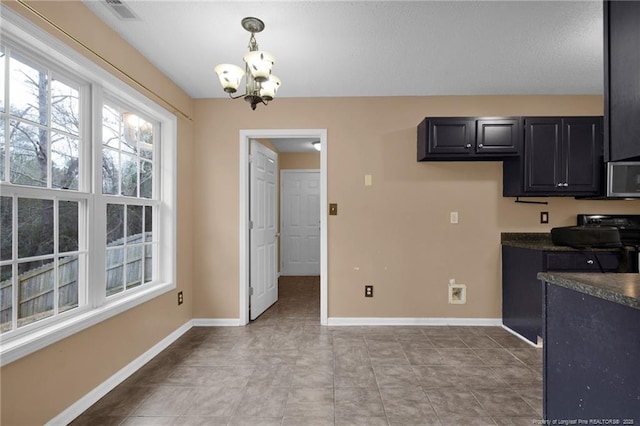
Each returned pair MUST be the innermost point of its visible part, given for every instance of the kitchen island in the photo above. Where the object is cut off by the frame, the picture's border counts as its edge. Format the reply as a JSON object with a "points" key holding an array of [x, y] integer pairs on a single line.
{"points": [[591, 331]]}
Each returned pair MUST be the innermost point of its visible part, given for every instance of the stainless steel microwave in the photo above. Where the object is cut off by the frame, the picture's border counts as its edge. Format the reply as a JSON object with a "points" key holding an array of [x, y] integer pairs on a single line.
{"points": [[623, 179]]}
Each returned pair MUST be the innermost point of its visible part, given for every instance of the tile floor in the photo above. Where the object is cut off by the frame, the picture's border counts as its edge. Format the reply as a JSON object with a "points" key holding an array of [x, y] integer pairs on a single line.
{"points": [[285, 369]]}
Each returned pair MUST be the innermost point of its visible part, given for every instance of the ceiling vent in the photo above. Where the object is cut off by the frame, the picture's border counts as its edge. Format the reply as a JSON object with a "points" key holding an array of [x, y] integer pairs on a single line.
{"points": [[121, 10]]}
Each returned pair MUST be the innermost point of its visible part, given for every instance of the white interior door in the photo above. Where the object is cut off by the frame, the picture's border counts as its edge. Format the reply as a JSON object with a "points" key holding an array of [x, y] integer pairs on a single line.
{"points": [[263, 237], [300, 222]]}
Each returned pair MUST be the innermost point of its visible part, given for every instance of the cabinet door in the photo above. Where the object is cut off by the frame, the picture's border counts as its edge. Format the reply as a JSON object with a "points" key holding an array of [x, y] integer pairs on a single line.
{"points": [[622, 87], [542, 147], [498, 136], [451, 136], [582, 161]]}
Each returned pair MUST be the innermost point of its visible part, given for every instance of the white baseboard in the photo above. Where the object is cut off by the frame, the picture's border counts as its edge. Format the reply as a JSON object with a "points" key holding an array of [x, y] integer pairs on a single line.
{"points": [[78, 407], [524, 339], [360, 321], [216, 322]]}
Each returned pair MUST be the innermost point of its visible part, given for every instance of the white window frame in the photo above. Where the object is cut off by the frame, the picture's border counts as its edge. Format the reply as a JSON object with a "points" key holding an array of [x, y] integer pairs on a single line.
{"points": [[33, 337]]}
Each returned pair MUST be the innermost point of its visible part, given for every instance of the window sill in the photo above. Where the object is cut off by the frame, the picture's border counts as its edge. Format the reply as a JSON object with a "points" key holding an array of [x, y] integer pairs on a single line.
{"points": [[41, 338]]}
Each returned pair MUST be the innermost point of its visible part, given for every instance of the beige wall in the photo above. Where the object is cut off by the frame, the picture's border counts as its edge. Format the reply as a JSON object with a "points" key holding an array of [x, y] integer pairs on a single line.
{"points": [[395, 234], [38, 387], [299, 160]]}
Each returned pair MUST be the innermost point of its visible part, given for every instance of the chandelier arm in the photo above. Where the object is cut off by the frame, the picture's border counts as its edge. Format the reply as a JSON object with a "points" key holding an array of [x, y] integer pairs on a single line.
{"points": [[237, 97]]}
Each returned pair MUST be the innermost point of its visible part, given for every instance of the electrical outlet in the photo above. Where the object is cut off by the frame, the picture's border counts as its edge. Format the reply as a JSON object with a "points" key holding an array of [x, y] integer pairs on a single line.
{"points": [[544, 217], [180, 298], [368, 291]]}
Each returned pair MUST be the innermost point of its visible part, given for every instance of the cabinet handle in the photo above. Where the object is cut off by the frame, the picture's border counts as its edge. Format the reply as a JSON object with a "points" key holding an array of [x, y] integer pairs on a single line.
{"points": [[559, 184], [565, 184], [468, 145], [480, 145], [589, 262]]}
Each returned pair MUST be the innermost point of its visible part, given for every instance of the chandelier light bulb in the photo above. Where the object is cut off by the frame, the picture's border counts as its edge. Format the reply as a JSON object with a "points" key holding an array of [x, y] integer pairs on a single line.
{"points": [[269, 88], [230, 76]]}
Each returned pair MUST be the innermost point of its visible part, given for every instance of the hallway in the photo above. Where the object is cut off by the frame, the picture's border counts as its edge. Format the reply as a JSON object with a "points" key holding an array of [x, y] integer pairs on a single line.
{"points": [[286, 369]]}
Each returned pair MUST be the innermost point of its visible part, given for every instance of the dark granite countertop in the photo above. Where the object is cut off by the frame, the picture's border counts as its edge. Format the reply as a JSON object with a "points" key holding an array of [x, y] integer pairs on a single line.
{"points": [[619, 288], [538, 241]]}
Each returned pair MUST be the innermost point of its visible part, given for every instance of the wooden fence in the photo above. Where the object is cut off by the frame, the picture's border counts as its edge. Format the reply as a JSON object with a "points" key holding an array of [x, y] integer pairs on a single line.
{"points": [[36, 286]]}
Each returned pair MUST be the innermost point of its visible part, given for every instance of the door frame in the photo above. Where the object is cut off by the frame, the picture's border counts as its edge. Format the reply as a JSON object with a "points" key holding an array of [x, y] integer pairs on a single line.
{"points": [[284, 173], [244, 140]]}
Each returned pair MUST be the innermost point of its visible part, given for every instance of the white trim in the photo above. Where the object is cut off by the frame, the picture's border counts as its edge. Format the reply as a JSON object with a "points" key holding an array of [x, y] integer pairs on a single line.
{"points": [[245, 137], [216, 322], [524, 339], [78, 407], [360, 321]]}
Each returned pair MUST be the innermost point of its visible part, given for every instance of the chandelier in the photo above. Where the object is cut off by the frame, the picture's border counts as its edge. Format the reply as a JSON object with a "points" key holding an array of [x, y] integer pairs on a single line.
{"points": [[260, 85]]}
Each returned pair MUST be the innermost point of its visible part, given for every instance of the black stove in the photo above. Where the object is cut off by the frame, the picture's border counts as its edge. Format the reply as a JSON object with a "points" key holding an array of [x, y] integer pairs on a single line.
{"points": [[628, 225]]}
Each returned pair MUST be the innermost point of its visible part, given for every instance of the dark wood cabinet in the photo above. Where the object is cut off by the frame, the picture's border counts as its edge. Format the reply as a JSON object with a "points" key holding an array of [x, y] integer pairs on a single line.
{"points": [[591, 355], [522, 292], [468, 138], [562, 156], [622, 84]]}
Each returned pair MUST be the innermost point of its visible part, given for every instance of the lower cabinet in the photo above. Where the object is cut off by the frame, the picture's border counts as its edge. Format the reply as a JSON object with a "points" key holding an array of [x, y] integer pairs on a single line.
{"points": [[522, 292]]}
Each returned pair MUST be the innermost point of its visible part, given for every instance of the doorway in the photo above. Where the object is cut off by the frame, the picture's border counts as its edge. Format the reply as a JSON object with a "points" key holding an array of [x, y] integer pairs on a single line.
{"points": [[244, 219]]}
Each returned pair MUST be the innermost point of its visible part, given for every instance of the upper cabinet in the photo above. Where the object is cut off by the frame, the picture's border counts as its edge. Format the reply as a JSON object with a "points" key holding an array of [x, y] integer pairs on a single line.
{"points": [[562, 157], [622, 80], [469, 138]]}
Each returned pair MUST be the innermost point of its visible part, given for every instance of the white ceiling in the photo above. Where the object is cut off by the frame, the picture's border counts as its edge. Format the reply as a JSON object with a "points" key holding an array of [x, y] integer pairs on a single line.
{"points": [[377, 48]]}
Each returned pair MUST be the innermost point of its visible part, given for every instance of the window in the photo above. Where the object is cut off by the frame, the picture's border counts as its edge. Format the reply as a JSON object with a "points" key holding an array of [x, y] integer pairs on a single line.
{"points": [[87, 224]]}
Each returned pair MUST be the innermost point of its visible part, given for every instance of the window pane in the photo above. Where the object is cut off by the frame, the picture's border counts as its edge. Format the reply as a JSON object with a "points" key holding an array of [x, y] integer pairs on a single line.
{"points": [[129, 171], [2, 62], [67, 283], [130, 126], [148, 263], [28, 92], [115, 271], [148, 223], [35, 227], [110, 127], [67, 226], [6, 227], [64, 161], [36, 283], [110, 175], [134, 266], [28, 154], [2, 148], [115, 225], [6, 298], [65, 108], [134, 224], [146, 179]]}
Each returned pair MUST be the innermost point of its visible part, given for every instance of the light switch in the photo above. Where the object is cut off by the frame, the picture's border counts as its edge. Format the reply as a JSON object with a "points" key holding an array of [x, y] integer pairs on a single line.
{"points": [[333, 209], [368, 180], [454, 217]]}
